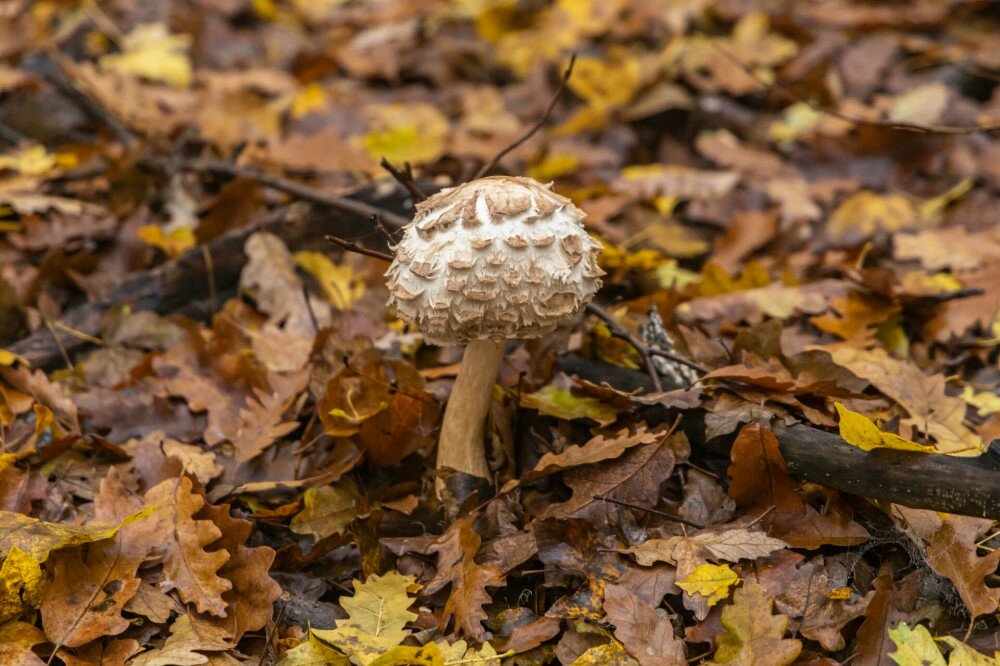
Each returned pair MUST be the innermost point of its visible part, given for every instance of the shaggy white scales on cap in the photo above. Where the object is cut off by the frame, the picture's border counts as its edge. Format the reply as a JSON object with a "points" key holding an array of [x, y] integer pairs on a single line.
{"points": [[499, 257], [493, 259]]}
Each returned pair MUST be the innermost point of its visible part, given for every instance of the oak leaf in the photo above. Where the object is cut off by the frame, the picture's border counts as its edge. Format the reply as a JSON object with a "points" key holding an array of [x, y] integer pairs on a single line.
{"points": [[313, 652], [377, 617], [327, 510], [16, 641], [187, 566], [754, 636], [915, 647], [38, 538], [107, 652], [648, 637], [189, 637], [951, 552], [254, 592], [600, 447]]}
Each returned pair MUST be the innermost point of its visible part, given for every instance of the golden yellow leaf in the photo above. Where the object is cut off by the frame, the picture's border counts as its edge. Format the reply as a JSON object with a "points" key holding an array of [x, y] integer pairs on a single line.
{"points": [[553, 166], [753, 635], [21, 582], [962, 655], [710, 580], [867, 212], [606, 85], [986, 403], [174, 243], [151, 52], [559, 402], [842, 593], [38, 538], [309, 99], [36, 161], [914, 647], [610, 654], [858, 431], [339, 284], [328, 509], [413, 133], [9, 358], [409, 655], [797, 120], [378, 613], [312, 652]]}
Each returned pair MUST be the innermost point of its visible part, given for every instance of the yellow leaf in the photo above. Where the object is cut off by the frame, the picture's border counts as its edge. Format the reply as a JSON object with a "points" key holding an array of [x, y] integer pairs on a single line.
{"points": [[562, 404], [38, 538], [8, 358], [914, 647], [797, 120], [378, 613], [841, 593], [962, 655], [328, 509], [339, 284], [710, 580], [314, 653], [858, 431], [606, 85], [407, 655], [311, 98], [36, 161], [21, 582], [867, 212], [610, 654], [459, 652], [553, 166], [413, 133], [151, 52], [986, 403], [173, 244], [753, 634]]}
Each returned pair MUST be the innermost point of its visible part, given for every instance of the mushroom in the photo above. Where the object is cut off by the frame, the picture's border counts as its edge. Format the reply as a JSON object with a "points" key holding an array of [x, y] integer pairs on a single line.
{"points": [[490, 260]]}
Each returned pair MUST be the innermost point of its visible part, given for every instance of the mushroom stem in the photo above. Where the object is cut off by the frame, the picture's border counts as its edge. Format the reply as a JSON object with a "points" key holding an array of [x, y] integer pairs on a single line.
{"points": [[461, 445]]}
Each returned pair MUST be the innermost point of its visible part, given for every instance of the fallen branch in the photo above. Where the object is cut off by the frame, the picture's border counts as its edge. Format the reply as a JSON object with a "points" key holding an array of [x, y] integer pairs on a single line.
{"points": [[964, 486], [405, 178]]}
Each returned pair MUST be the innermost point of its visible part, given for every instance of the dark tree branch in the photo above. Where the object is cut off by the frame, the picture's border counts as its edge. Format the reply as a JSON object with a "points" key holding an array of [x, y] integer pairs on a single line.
{"points": [[489, 166], [352, 246]]}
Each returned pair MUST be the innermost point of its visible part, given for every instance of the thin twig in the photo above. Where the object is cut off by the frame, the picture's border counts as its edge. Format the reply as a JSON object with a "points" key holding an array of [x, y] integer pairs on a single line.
{"points": [[377, 221], [489, 166], [655, 512], [991, 126], [351, 246], [296, 189], [677, 358], [405, 178], [620, 331]]}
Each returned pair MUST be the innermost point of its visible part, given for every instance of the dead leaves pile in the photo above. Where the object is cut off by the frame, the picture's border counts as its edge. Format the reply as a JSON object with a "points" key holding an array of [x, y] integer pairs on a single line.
{"points": [[800, 201]]}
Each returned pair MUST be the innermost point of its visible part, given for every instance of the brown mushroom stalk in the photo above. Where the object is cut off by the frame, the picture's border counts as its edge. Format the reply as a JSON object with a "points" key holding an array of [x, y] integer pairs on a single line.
{"points": [[494, 259]]}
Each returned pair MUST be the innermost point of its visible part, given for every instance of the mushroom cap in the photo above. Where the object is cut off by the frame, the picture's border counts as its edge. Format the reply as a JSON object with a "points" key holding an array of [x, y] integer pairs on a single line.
{"points": [[497, 257]]}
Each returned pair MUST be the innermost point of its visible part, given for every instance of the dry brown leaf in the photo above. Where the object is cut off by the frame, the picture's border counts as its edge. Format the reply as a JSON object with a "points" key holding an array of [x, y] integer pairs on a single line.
{"points": [[16, 641], [952, 553], [188, 566], [647, 636], [189, 637], [85, 597], [730, 545], [600, 447]]}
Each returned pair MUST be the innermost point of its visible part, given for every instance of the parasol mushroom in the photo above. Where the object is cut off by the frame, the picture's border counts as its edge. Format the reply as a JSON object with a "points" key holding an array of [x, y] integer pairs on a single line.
{"points": [[490, 260]]}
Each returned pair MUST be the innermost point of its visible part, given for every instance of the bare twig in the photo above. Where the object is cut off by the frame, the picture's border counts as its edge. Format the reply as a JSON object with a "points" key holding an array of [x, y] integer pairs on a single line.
{"points": [[405, 178], [489, 166], [677, 358], [991, 126], [299, 190], [655, 512], [377, 221], [620, 331], [352, 246]]}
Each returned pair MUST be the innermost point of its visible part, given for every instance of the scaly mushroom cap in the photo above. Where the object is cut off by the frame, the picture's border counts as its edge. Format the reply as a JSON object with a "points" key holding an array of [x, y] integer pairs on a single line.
{"points": [[498, 257]]}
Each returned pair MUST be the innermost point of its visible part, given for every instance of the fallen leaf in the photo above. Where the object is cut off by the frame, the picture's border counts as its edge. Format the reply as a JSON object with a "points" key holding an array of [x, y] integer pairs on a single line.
{"points": [[414, 133], [754, 636], [562, 404], [340, 285], [952, 553], [378, 613], [858, 431], [188, 566], [150, 51], [327, 510], [915, 647], [710, 581], [16, 641], [38, 538], [189, 637], [647, 636], [21, 584], [731, 545]]}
